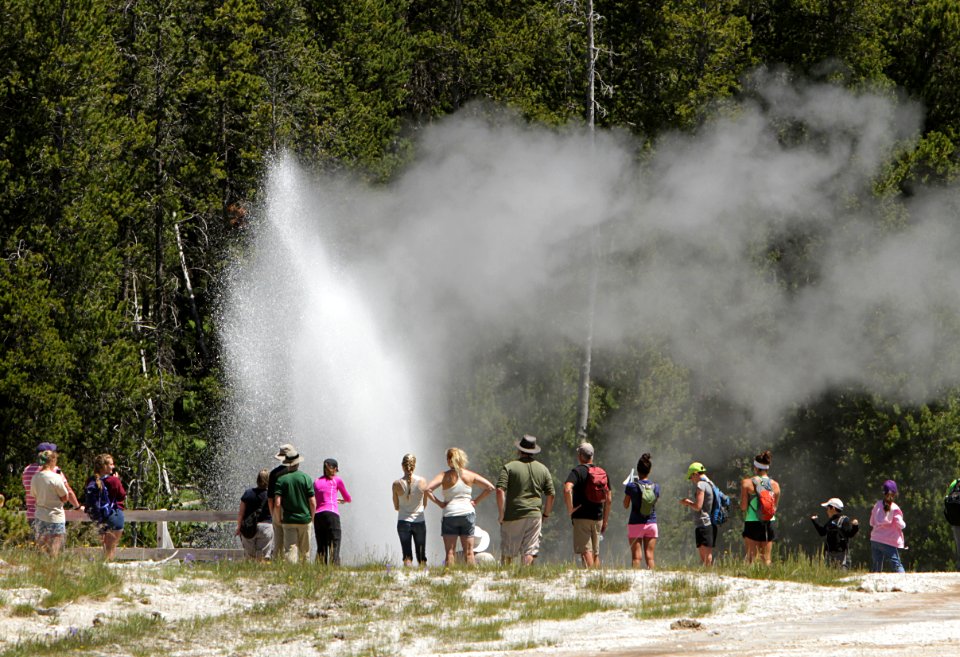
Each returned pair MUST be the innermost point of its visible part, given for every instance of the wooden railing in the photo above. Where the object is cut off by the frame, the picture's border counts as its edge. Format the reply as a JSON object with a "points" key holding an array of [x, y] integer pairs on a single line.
{"points": [[166, 549], [162, 515]]}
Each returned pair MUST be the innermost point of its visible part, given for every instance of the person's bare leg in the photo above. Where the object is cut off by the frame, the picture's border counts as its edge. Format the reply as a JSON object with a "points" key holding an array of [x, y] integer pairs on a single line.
{"points": [[649, 545], [766, 550], [56, 544], [589, 560], [706, 555], [466, 542], [450, 546], [636, 552], [752, 549], [110, 542]]}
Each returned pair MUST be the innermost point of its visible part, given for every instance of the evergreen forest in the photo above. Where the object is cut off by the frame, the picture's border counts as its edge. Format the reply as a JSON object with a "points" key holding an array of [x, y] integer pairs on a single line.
{"points": [[134, 140]]}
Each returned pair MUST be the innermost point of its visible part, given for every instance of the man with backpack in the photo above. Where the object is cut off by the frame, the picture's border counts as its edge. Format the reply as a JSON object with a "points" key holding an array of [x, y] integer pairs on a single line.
{"points": [[951, 511], [587, 495], [838, 530], [701, 505]]}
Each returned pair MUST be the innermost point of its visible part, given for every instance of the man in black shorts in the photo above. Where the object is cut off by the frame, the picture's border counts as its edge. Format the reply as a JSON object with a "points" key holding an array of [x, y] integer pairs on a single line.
{"points": [[700, 503]]}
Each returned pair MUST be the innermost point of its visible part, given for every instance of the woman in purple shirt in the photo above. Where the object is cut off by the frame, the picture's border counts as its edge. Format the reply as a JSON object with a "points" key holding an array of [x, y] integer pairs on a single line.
{"points": [[329, 490]]}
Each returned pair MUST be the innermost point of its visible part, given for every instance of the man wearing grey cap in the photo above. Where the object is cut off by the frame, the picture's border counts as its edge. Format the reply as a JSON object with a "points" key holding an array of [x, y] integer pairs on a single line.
{"points": [[278, 544], [587, 495]]}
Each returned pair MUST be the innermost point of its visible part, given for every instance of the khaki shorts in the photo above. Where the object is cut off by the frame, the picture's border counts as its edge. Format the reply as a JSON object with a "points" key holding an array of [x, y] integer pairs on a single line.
{"points": [[586, 535], [521, 536]]}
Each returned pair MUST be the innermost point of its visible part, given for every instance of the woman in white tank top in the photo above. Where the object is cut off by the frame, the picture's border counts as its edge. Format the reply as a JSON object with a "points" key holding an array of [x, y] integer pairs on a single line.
{"points": [[459, 513], [409, 499]]}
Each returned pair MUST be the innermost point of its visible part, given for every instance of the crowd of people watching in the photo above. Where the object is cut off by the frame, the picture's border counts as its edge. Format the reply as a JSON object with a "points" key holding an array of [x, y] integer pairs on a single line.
{"points": [[275, 516]]}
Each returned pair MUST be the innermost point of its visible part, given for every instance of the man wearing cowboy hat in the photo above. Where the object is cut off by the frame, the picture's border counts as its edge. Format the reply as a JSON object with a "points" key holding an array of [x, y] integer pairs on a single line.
{"points": [[521, 488], [295, 505], [278, 544]]}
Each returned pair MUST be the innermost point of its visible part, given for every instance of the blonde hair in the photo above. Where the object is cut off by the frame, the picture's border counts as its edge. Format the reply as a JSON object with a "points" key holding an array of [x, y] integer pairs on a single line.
{"points": [[458, 459], [99, 461], [47, 457], [409, 464]]}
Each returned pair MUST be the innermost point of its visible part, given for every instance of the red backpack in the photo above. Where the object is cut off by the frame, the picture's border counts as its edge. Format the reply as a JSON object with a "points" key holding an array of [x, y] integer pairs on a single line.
{"points": [[766, 502], [596, 486]]}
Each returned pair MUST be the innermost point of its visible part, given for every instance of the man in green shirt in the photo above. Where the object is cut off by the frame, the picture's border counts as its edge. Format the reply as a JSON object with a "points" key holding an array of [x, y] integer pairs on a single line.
{"points": [[294, 506], [521, 489]]}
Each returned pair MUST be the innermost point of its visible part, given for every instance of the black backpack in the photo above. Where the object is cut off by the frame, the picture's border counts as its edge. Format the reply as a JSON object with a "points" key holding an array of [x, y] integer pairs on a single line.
{"points": [[951, 505], [248, 526]]}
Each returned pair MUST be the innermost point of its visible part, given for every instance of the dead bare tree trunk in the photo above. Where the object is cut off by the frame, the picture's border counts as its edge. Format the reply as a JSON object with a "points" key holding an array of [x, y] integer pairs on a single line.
{"points": [[583, 401], [193, 301]]}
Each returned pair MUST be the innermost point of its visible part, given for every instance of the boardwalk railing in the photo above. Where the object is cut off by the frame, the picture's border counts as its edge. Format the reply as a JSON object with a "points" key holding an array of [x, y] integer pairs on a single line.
{"points": [[165, 548]]}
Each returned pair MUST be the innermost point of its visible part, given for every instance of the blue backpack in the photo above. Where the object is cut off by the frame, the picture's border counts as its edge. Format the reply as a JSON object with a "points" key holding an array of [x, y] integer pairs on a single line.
{"points": [[96, 499], [721, 507]]}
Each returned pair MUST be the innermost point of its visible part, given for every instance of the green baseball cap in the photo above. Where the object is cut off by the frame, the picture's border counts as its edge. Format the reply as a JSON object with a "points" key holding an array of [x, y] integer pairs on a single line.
{"points": [[695, 468]]}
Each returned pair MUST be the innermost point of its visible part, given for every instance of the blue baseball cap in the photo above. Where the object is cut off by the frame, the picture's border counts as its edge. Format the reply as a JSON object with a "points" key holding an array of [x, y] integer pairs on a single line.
{"points": [[46, 447]]}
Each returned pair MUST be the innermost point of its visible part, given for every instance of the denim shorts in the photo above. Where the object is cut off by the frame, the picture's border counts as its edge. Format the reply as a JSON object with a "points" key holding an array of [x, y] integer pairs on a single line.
{"points": [[44, 528], [458, 525], [113, 522]]}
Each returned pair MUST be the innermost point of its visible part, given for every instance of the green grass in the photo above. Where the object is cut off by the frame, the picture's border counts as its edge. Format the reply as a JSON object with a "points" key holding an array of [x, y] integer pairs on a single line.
{"points": [[791, 567], [66, 578], [472, 631], [545, 572], [677, 596], [558, 609], [608, 583], [121, 632]]}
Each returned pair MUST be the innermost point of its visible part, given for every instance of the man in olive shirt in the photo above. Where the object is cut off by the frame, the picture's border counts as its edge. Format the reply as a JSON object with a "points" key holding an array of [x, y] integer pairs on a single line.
{"points": [[521, 488], [295, 504]]}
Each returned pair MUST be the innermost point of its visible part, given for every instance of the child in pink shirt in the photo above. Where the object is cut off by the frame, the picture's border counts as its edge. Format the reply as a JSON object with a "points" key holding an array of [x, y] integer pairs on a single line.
{"points": [[886, 537]]}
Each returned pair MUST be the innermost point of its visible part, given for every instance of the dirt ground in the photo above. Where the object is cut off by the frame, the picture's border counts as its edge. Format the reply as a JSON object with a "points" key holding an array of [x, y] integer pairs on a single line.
{"points": [[911, 615]]}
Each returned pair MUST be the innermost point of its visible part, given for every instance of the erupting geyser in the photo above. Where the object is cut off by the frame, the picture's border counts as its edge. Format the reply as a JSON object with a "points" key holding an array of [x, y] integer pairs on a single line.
{"points": [[306, 363]]}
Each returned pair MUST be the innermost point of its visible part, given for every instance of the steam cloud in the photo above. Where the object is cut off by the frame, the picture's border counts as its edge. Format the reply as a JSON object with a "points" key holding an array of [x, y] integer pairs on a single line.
{"points": [[494, 226]]}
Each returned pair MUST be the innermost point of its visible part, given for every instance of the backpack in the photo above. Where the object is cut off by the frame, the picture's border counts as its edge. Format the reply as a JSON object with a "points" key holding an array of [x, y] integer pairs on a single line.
{"points": [[648, 498], [248, 526], [951, 505], [97, 500], [721, 506], [766, 502], [596, 485]]}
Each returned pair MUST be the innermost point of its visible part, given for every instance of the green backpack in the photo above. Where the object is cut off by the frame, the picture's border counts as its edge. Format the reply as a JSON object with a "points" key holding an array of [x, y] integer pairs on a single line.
{"points": [[648, 498]]}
